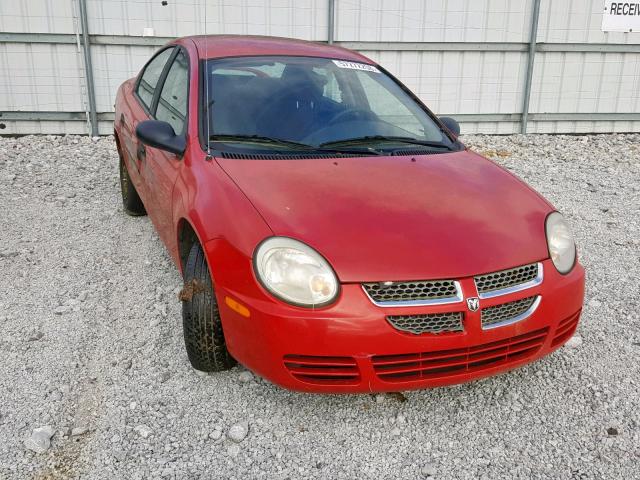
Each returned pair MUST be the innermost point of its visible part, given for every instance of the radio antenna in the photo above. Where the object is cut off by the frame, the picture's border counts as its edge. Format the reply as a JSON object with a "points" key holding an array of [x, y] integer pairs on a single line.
{"points": [[206, 82]]}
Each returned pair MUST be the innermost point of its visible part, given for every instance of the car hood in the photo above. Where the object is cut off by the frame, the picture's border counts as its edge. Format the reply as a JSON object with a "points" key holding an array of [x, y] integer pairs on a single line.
{"points": [[399, 217]]}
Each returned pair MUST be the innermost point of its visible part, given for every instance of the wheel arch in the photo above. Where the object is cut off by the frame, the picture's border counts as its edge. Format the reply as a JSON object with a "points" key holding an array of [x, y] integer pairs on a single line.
{"points": [[186, 236]]}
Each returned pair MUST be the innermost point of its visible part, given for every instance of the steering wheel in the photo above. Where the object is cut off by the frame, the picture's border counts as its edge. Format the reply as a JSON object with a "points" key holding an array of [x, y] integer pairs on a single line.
{"points": [[270, 110], [352, 114]]}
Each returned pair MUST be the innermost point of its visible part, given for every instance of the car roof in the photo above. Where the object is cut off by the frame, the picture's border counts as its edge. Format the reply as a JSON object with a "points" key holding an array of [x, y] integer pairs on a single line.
{"points": [[220, 46]]}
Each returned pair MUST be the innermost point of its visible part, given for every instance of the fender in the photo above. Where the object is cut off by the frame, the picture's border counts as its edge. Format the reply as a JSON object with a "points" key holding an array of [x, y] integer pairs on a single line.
{"points": [[207, 210]]}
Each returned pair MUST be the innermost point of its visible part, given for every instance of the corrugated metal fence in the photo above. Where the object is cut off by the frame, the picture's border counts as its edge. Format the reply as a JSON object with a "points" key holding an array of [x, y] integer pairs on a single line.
{"points": [[484, 62]]}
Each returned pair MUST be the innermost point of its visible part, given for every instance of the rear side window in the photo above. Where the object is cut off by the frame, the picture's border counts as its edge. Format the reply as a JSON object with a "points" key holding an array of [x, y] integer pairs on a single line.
{"points": [[172, 103], [151, 75]]}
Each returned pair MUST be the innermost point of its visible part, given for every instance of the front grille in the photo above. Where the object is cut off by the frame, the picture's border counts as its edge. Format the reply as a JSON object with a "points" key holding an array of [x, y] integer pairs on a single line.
{"points": [[445, 363], [385, 292], [565, 329], [506, 278], [430, 323], [505, 312], [323, 370]]}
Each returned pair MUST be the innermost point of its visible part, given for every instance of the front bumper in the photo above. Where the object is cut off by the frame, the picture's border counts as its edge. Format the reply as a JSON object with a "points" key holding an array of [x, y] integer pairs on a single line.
{"points": [[351, 347]]}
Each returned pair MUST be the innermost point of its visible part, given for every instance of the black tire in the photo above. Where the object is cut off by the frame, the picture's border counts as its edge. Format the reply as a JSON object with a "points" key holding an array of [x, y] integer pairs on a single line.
{"points": [[131, 201], [203, 335]]}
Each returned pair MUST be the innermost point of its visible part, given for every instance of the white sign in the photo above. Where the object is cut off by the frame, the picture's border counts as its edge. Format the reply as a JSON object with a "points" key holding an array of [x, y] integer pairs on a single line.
{"points": [[356, 66], [621, 16]]}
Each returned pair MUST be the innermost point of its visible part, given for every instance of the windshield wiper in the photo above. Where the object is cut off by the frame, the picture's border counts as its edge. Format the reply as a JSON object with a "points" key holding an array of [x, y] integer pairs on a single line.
{"points": [[384, 138], [289, 143], [259, 138]]}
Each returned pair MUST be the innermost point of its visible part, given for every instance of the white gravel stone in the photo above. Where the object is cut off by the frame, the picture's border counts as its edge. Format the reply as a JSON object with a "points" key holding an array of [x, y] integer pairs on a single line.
{"points": [[245, 376], [233, 450], [574, 342], [143, 430], [428, 470], [79, 431], [40, 439], [238, 431]]}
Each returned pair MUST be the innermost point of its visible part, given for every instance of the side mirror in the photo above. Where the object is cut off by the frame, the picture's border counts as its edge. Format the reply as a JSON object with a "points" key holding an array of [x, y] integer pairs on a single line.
{"points": [[452, 125], [155, 133]]}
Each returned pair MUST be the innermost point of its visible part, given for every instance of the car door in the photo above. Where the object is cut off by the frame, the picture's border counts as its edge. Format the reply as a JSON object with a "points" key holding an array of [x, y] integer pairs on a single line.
{"points": [[161, 167], [140, 105]]}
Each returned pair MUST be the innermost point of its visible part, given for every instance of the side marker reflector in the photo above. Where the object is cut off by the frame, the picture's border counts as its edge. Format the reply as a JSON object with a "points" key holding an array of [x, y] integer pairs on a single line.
{"points": [[237, 307]]}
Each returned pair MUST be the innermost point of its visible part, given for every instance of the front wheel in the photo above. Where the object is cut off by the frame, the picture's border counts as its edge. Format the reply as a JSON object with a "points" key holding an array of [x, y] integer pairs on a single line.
{"points": [[203, 335]]}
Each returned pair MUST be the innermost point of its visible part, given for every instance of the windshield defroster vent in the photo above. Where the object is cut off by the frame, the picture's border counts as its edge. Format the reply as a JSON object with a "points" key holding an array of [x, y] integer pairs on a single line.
{"points": [[412, 151], [282, 156]]}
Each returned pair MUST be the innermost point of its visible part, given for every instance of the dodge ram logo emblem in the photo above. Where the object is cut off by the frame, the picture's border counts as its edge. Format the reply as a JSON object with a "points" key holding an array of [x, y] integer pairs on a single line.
{"points": [[473, 303]]}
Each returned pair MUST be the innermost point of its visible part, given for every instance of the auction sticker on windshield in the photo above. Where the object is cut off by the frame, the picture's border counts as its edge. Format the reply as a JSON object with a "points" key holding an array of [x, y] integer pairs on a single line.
{"points": [[356, 66]]}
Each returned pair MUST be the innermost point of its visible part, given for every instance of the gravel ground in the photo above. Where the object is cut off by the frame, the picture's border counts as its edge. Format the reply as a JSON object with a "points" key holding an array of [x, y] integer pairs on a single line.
{"points": [[91, 346]]}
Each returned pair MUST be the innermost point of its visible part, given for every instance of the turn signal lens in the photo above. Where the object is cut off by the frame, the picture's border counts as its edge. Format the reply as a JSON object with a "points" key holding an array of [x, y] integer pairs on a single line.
{"points": [[237, 307]]}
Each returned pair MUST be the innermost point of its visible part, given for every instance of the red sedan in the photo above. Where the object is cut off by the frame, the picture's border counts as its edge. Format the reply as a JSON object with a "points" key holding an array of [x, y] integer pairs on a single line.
{"points": [[332, 232]]}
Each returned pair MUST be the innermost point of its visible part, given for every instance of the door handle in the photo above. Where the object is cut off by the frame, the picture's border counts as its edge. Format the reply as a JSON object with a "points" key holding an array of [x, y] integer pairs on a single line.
{"points": [[142, 152]]}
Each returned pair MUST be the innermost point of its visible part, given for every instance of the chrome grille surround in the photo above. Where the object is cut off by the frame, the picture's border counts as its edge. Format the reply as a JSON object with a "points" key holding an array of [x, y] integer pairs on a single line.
{"points": [[508, 281], [413, 293], [508, 313], [428, 323]]}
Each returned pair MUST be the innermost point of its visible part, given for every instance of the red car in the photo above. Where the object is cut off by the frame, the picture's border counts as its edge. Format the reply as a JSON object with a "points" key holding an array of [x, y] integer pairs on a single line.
{"points": [[332, 232]]}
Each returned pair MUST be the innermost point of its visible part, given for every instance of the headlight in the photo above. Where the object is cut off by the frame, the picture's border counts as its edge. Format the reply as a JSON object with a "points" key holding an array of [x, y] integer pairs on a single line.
{"points": [[295, 272], [562, 248]]}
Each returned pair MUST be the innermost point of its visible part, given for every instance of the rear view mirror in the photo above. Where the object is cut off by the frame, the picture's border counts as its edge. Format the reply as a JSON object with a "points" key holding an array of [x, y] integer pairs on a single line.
{"points": [[452, 125], [158, 134]]}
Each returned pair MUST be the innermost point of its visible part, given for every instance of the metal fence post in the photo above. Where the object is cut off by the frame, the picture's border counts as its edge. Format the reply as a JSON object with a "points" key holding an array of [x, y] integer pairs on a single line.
{"points": [[88, 68], [330, 25], [533, 37]]}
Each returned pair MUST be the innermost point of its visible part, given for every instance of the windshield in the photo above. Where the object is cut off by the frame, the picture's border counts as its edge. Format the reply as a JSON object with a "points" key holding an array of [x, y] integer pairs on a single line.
{"points": [[310, 102]]}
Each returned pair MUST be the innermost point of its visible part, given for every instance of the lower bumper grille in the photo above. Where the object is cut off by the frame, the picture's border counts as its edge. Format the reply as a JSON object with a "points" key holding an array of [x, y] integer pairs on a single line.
{"points": [[323, 370], [417, 366], [565, 329], [429, 323]]}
